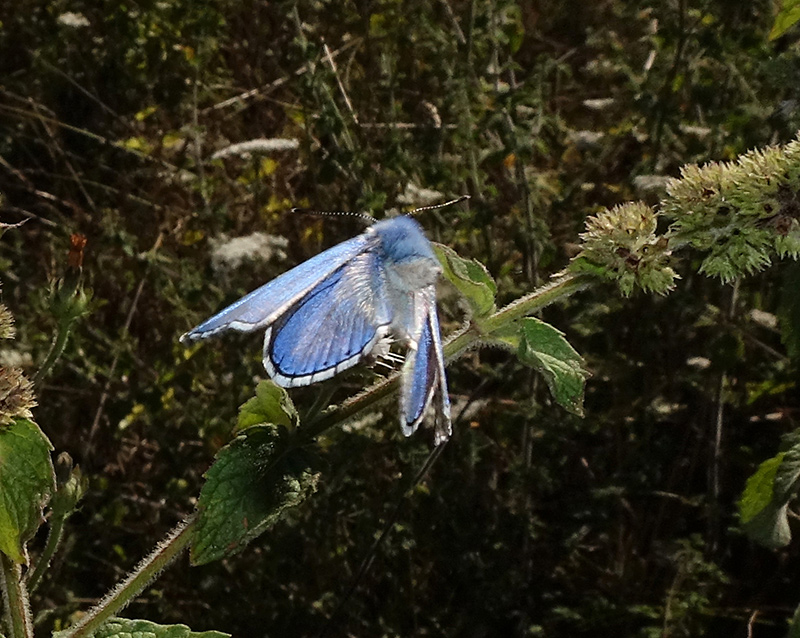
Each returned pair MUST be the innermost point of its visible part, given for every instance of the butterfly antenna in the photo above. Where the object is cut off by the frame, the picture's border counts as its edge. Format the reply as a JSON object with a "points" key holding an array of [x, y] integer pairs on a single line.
{"points": [[334, 213], [435, 206], [365, 564]]}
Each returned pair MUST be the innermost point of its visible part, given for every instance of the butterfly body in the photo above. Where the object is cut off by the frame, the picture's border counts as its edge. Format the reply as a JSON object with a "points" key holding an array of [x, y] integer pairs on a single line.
{"points": [[342, 306]]}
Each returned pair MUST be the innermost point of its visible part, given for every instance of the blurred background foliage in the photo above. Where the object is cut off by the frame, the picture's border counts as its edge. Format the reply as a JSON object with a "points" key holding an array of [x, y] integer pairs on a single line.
{"points": [[116, 121]]}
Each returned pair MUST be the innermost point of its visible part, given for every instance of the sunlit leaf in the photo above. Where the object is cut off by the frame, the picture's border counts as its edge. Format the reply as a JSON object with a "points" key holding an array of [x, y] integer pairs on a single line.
{"points": [[794, 627], [128, 628], [271, 404], [27, 482], [543, 347], [137, 144], [267, 167], [470, 278], [145, 113], [758, 491], [788, 15], [191, 237], [764, 503]]}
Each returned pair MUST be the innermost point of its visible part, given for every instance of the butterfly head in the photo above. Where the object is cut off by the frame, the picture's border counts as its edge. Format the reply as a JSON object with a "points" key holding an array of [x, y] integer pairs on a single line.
{"points": [[407, 251]]}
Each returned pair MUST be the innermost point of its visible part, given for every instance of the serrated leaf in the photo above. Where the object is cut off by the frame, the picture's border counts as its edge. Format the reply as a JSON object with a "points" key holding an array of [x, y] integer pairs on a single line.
{"points": [[253, 481], [128, 628], [507, 337], [271, 404], [470, 278], [789, 311], [787, 478], [763, 507], [758, 490], [770, 527], [543, 347], [788, 16], [27, 481]]}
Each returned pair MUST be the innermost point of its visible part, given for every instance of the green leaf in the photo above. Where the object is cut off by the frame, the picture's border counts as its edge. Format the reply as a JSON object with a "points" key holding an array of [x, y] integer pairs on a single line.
{"points": [[27, 482], [543, 347], [789, 311], [470, 278], [271, 404], [758, 490], [126, 628], [788, 15], [770, 527], [764, 503], [253, 481], [794, 627]]}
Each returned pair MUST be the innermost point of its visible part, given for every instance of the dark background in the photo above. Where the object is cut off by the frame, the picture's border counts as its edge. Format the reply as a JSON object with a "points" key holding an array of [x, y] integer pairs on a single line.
{"points": [[533, 522]]}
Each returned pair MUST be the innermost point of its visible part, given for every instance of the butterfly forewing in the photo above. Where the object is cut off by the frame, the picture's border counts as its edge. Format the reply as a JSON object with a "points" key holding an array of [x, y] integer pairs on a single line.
{"points": [[332, 327], [265, 304]]}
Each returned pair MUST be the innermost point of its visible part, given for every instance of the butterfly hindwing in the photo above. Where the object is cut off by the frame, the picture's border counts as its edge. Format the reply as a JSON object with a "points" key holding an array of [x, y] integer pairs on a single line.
{"points": [[332, 327], [444, 427], [423, 374], [265, 304]]}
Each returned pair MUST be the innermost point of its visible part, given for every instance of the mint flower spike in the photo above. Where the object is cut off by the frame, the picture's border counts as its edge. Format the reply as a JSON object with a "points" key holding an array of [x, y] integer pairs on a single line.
{"points": [[621, 245], [743, 213], [7, 330], [16, 396]]}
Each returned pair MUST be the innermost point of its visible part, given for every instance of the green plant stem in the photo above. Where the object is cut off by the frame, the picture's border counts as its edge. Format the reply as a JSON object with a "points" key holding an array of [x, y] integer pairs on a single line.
{"points": [[53, 541], [134, 584], [566, 285], [350, 408], [56, 350], [15, 598]]}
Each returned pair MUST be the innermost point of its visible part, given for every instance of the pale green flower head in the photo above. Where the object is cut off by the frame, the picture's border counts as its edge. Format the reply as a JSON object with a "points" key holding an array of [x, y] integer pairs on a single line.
{"points": [[621, 245]]}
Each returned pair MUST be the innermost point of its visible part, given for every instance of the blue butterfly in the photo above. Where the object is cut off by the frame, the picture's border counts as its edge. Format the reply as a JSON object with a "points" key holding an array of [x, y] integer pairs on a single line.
{"points": [[347, 303]]}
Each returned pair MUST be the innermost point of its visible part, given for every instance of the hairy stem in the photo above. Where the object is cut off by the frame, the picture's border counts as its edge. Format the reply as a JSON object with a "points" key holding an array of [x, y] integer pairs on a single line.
{"points": [[56, 350], [15, 599], [135, 583], [53, 541], [561, 288]]}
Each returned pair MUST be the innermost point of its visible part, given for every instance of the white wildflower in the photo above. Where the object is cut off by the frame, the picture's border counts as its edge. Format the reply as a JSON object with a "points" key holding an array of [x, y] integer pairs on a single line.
{"points": [[261, 145], [230, 253], [72, 19], [416, 196]]}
